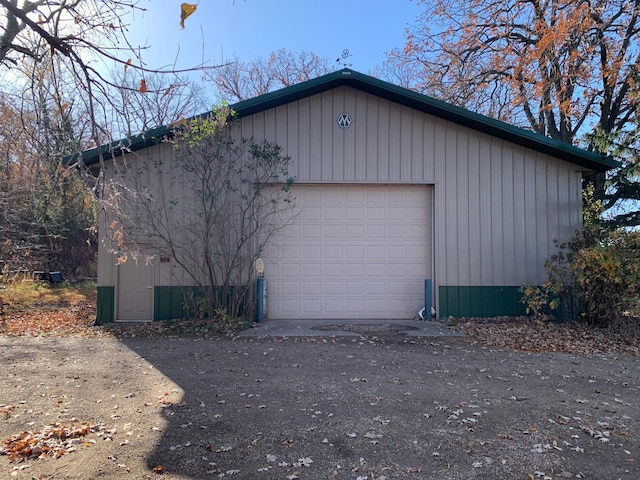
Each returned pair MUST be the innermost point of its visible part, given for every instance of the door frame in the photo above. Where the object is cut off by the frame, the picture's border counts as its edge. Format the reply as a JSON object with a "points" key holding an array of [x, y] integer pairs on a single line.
{"points": [[149, 277]]}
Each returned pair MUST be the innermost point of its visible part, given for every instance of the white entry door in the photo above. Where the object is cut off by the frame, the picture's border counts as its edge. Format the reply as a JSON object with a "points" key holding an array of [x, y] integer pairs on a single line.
{"points": [[355, 251], [135, 291]]}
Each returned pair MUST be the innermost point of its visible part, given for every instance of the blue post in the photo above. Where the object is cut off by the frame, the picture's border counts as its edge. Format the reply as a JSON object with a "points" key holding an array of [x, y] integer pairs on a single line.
{"points": [[428, 298], [260, 300]]}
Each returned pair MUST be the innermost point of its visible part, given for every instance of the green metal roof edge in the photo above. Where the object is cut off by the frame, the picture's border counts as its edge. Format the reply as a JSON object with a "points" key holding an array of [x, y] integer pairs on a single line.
{"points": [[120, 147], [589, 160]]}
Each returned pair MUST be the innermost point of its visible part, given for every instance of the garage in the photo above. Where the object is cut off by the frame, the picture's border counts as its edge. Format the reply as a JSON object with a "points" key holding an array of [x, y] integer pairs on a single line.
{"points": [[353, 251], [391, 187]]}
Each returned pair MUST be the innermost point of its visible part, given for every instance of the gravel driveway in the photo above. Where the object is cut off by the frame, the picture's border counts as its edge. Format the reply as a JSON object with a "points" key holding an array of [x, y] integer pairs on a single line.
{"points": [[377, 404]]}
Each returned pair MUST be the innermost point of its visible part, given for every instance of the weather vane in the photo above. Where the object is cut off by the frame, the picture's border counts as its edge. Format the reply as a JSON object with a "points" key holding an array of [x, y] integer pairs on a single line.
{"points": [[343, 58]]}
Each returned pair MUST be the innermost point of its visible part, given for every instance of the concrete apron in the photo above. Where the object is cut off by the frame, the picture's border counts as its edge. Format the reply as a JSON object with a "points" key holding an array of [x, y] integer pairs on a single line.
{"points": [[348, 328]]}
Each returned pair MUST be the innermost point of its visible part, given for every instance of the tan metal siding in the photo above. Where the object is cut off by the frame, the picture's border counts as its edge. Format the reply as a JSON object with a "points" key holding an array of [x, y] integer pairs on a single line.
{"points": [[361, 135], [497, 206], [372, 118]]}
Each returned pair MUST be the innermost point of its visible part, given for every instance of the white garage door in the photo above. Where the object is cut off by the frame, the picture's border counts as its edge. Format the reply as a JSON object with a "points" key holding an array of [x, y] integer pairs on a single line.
{"points": [[355, 251]]}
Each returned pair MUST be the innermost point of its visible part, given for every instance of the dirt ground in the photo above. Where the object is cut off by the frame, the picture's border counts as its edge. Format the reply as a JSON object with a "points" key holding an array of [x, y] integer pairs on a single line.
{"points": [[376, 406]]}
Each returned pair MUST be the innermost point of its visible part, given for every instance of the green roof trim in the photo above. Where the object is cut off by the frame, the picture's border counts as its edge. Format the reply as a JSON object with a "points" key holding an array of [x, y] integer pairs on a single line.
{"points": [[589, 160]]}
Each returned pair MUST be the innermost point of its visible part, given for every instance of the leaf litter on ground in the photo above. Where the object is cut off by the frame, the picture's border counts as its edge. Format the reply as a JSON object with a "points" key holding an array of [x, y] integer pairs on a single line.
{"points": [[52, 441], [508, 333], [529, 335]]}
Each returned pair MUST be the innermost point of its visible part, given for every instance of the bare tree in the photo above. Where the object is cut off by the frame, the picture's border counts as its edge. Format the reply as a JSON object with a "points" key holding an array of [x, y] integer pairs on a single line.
{"points": [[237, 81], [58, 100], [77, 37], [168, 99], [210, 201], [46, 212]]}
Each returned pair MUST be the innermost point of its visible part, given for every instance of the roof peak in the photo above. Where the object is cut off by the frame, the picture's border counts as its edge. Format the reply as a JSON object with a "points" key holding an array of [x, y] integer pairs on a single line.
{"points": [[352, 78]]}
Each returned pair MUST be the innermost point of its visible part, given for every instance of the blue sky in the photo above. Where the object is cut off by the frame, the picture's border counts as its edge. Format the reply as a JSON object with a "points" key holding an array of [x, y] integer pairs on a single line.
{"points": [[250, 28]]}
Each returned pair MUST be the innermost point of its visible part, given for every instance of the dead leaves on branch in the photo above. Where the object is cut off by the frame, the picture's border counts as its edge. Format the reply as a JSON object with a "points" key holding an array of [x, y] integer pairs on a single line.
{"points": [[528, 335]]}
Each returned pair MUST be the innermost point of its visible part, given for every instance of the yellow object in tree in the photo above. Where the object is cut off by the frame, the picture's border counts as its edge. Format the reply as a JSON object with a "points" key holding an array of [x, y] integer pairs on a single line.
{"points": [[186, 9]]}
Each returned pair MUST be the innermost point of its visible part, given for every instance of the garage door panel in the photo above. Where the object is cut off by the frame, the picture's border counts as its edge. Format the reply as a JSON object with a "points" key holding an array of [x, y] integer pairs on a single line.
{"points": [[354, 288], [395, 288], [354, 270], [333, 269], [293, 252], [414, 214], [356, 306], [333, 305], [414, 270], [290, 270], [375, 196], [333, 251], [354, 214], [354, 251], [311, 288], [396, 306], [397, 214], [360, 251], [397, 252], [415, 232], [376, 231], [333, 232], [354, 196], [332, 288], [311, 270], [396, 231], [290, 288], [290, 306], [375, 213], [312, 231], [375, 252], [378, 305], [396, 270], [376, 288], [354, 231], [312, 251], [290, 231], [416, 252], [312, 213], [311, 306]]}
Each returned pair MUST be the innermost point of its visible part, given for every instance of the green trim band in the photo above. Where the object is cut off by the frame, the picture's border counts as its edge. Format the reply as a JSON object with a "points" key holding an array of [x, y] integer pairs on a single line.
{"points": [[466, 301], [105, 305], [480, 301], [176, 302], [169, 302]]}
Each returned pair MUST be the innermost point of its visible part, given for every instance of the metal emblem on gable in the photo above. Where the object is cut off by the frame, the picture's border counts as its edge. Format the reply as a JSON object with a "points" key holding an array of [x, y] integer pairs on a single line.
{"points": [[344, 120]]}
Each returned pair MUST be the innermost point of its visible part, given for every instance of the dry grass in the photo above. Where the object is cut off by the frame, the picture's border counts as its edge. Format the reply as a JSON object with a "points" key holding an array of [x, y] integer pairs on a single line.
{"points": [[27, 296], [69, 309]]}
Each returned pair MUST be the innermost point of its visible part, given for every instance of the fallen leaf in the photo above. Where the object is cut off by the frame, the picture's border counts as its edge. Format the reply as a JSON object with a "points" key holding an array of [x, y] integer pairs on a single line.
{"points": [[53, 441], [186, 9]]}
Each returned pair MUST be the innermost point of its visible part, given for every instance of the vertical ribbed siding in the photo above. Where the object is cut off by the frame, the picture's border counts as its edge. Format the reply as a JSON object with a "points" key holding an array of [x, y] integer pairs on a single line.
{"points": [[497, 206]]}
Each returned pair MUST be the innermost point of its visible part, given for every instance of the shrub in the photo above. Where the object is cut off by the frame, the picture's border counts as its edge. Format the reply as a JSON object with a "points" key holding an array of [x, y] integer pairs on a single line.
{"points": [[606, 275], [594, 281]]}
